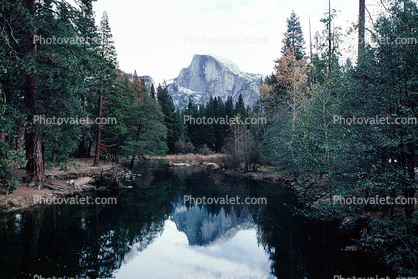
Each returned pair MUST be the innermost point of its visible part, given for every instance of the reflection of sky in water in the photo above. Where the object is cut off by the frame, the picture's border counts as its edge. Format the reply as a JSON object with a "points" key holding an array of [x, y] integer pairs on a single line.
{"points": [[170, 256]]}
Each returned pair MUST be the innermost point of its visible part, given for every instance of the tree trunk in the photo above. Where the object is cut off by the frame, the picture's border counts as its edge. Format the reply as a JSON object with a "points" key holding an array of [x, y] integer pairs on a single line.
{"points": [[35, 166], [134, 155], [132, 162], [54, 152], [361, 23], [410, 177], [43, 150], [90, 150], [310, 53], [99, 132], [81, 145], [20, 141], [329, 36]]}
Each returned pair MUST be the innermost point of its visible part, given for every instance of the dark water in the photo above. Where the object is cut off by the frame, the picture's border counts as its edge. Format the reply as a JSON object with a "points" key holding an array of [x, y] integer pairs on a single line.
{"points": [[150, 233]]}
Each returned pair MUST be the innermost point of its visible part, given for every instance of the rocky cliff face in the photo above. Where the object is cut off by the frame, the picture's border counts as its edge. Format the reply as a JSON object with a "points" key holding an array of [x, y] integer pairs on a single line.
{"points": [[203, 228], [148, 82], [147, 79], [207, 76]]}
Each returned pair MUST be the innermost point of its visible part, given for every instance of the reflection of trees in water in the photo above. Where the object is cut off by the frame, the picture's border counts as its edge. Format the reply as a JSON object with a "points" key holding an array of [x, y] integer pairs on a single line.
{"points": [[83, 240], [34, 223], [300, 247], [218, 177], [184, 172], [211, 223], [277, 234]]}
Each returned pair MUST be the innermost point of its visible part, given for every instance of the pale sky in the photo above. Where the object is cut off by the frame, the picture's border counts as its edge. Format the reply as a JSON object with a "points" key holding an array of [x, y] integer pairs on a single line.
{"points": [[171, 256], [159, 38]]}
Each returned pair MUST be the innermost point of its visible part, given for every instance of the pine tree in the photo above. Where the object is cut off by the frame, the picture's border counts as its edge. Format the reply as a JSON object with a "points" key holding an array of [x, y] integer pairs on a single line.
{"points": [[229, 107], [152, 91], [294, 36], [209, 134], [142, 86], [107, 66], [240, 107], [167, 107], [122, 101], [147, 132], [136, 84], [35, 167]]}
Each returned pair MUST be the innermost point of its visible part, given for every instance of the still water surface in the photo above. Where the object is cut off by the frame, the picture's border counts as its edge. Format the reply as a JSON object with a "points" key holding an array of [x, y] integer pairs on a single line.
{"points": [[151, 233]]}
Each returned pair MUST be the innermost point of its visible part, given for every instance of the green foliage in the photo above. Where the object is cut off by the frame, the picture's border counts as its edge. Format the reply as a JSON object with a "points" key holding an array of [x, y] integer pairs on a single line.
{"points": [[294, 36], [170, 120], [146, 132], [215, 134], [240, 107], [10, 160]]}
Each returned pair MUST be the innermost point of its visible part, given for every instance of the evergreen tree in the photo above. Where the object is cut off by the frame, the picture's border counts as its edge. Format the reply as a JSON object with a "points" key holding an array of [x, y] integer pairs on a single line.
{"points": [[106, 74], [240, 107], [35, 167], [136, 84], [147, 132], [123, 101], [152, 92], [209, 112], [229, 107], [294, 36], [167, 107], [142, 86]]}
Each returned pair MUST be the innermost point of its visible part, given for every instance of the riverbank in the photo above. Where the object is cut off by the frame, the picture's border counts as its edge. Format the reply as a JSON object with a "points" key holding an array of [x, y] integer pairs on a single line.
{"points": [[216, 162], [79, 177]]}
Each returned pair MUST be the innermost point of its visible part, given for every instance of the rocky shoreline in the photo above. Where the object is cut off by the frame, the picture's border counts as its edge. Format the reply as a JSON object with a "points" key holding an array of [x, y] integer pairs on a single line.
{"points": [[68, 184]]}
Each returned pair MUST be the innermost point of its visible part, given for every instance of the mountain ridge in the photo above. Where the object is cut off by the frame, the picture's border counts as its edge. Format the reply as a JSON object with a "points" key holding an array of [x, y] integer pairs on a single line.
{"points": [[212, 75]]}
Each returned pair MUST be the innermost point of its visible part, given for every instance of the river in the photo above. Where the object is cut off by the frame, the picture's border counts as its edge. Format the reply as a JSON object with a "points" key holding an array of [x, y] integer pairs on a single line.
{"points": [[153, 233]]}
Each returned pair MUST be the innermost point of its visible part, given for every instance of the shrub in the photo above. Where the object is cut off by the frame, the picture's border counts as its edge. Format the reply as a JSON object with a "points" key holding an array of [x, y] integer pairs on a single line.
{"points": [[180, 147], [205, 150], [10, 160], [189, 147]]}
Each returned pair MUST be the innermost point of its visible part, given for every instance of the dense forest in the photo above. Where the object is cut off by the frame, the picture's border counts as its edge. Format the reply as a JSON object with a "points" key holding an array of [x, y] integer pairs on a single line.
{"points": [[56, 63]]}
